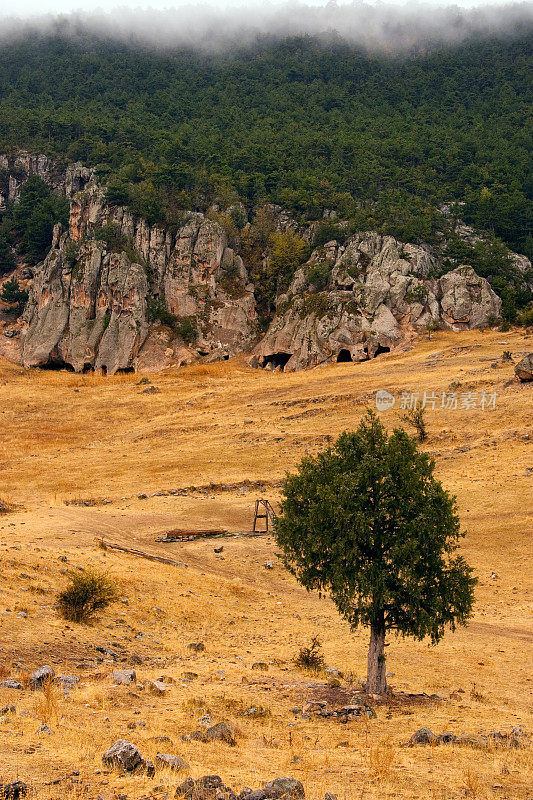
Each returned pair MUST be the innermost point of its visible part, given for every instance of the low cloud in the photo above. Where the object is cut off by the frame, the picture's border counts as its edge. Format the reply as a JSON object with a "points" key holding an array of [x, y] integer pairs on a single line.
{"points": [[379, 26]]}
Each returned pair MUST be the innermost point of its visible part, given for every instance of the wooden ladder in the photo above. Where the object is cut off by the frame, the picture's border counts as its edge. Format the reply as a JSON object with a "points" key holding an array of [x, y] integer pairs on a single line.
{"points": [[263, 510]]}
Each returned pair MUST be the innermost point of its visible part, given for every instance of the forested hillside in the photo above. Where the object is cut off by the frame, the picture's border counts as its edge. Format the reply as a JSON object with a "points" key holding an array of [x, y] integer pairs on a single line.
{"points": [[383, 140]]}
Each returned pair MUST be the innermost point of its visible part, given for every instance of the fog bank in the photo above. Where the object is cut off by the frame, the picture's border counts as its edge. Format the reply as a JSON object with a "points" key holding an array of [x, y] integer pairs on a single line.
{"points": [[380, 26]]}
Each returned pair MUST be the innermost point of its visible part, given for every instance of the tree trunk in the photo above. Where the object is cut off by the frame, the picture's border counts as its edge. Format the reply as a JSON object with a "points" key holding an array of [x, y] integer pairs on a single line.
{"points": [[376, 682]]}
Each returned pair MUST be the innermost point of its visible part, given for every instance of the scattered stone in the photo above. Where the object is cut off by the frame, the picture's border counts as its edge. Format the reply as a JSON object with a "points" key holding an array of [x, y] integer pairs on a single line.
{"points": [[221, 732], [288, 788], [162, 739], [268, 565], [196, 647], [126, 756], [330, 796], [44, 729], [198, 736], [41, 676], [219, 549], [336, 673], [11, 684], [189, 676], [422, 736], [125, 676], [157, 687], [334, 683], [524, 368], [151, 390], [260, 665], [175, 763], [67, 682], [9, 709], [106, 651]]}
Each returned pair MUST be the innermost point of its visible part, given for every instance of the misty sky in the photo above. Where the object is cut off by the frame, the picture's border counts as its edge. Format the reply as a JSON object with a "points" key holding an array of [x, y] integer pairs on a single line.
{"points": [[37, 7]]}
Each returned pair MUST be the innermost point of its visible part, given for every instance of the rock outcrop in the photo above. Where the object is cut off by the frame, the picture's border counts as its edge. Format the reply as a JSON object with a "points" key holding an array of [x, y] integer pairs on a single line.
{"points": [[524, 368], [115, 293], [373, 294]]}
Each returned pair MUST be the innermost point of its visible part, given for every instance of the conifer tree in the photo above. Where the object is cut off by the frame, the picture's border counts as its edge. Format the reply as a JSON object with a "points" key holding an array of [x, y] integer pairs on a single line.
{"points": [[367, 522]]}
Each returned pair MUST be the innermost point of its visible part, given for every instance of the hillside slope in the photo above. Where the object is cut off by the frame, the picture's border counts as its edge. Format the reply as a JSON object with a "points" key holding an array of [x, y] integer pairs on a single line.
{"points": [[181, 458]]}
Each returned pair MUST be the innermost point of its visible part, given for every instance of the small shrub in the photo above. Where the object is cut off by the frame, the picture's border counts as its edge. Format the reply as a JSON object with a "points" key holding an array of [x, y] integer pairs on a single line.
{"points": [[418, 294], [72, 251], [46, 705], [526, 318], [88, 592], [14, 296], [416, 418], [318, 275], [311, 657], [186, 328]]}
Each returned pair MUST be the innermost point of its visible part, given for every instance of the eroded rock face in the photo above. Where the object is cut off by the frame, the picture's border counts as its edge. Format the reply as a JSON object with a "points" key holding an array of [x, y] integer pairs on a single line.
{"points": [[89, 307], [378, 294], [97, 306]]}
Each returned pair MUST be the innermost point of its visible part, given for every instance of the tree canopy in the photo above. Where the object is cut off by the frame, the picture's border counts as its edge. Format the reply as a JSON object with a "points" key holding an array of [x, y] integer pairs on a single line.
{"points": [[367, 522], [383, 139]]}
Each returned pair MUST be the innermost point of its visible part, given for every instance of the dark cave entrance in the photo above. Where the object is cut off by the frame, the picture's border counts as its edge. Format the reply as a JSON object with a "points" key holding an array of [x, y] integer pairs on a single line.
{"points": [[276, 360], [125, 370], [87, 367], [381, 350], [57, 364], [344, 356]]}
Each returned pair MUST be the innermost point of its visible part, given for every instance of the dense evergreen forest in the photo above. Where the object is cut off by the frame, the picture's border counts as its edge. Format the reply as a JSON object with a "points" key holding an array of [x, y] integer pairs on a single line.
{"points": [[383, 140]]}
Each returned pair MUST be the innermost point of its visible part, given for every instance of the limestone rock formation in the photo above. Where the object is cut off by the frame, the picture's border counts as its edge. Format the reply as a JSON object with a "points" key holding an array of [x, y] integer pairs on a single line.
{"points": [[372, 295], [117, 305], [115, 293]]}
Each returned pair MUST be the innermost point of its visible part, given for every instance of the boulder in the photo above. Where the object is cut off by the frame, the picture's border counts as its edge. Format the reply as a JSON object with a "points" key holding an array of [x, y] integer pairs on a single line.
{"points": [[208, 787], [11, 684], [220, 732], [524, 368], [41, 676], [175, 763], [288, 788], [67, 682], [157, 687], [422, 736], [127, 757], [125, 676]]}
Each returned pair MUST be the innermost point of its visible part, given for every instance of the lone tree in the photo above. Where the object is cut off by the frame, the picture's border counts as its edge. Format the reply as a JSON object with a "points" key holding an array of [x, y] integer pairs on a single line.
{"points": [[367, 522]]}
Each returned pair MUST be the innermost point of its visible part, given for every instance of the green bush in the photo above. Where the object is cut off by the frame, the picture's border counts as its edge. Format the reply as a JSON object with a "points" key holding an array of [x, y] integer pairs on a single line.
{"points": [[186, 328], [418, 294], [14, 296], [311, 658], [7, 260], [72, 251], [88, 592], [318, 275]]}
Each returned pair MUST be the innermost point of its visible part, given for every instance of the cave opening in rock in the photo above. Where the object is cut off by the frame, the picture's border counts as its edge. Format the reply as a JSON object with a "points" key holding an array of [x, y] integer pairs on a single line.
{"points": [[276, 360], [104, 369], [381, 350], [344, 356], [57, 364], [87, 367], [125, 370]]}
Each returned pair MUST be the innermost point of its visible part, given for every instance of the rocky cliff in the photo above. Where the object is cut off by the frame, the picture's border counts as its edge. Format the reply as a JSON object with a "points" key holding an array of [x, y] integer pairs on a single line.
{"points": [[115, 293], [373, 293]]}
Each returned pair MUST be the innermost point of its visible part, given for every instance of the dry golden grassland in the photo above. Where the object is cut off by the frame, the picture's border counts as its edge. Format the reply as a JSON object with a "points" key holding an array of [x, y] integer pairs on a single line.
{"points": [[72, 437]]}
